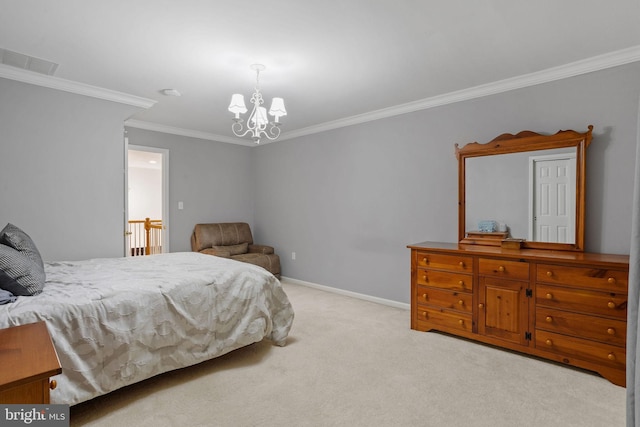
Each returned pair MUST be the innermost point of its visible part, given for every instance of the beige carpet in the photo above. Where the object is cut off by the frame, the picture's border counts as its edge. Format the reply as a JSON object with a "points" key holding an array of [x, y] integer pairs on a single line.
{"points": [[350, 362]]}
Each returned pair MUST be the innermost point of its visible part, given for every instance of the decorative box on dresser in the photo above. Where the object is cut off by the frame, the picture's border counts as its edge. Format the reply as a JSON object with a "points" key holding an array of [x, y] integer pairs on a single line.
{"points": [[569, 307]]}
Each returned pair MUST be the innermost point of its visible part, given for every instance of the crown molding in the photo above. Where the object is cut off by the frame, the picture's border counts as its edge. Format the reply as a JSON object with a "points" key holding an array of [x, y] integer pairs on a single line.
{"points": [[31, 77], [596, 63], [157, 127]]}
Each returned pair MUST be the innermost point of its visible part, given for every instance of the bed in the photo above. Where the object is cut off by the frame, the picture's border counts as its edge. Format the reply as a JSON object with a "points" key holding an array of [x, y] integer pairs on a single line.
{"points": [[118, 321]]}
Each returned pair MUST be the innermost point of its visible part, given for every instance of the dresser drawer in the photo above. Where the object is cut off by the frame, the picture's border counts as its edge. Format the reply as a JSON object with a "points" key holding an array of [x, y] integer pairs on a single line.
{"points": [[445, 299], [580, 300], [603, 354], [445, 262], [445, 318], [581, 325], [445, 280], [583, 277], [502, 268]]}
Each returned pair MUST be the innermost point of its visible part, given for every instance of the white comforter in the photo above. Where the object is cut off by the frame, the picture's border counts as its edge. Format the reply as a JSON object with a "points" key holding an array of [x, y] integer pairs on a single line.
{"points": [[117, 321]]}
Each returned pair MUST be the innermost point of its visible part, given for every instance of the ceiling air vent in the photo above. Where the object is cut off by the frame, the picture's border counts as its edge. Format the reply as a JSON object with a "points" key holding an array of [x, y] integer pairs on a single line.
{"points": [[26, 62]]}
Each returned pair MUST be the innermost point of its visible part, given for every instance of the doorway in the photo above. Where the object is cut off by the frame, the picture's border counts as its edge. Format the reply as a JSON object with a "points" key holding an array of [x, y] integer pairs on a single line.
{"points": [[552, 203], [146, 200]]}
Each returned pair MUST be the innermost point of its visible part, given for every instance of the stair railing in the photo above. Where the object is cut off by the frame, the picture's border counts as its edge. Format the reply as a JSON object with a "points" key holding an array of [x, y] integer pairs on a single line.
{"points": [[144, 237]]}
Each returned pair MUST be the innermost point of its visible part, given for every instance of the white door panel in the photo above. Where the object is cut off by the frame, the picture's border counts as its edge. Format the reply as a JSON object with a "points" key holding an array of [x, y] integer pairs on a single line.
{"points": [[553, 208]]}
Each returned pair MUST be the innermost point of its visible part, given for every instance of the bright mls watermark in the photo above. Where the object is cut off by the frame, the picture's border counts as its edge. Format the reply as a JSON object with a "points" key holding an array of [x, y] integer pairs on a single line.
{"points": [[34, 415]]}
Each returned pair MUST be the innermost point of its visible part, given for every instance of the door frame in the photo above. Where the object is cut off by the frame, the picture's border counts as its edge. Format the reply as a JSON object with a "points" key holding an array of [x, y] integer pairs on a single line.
{"points": [[165, 190]]}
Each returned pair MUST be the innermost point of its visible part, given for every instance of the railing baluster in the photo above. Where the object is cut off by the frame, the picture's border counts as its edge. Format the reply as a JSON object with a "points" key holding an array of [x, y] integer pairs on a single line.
{"points": [[145, 237]]}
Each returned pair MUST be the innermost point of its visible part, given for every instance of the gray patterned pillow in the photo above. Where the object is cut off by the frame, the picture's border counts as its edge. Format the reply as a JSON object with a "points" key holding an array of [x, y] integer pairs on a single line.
{"points": [[28, 276], [7, 282], [17, 239]]}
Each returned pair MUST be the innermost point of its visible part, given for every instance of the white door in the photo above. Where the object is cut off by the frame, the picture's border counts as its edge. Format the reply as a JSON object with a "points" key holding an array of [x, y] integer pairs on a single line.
{"points": [[551, 196], [146, 197]]}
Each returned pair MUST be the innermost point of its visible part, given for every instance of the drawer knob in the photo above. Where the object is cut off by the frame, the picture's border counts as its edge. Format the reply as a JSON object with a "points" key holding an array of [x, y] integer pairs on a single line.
{"points": [[424, 296], [611, 331], [481, 305], [461, 322], [549, 296], [425, 260], [424, 277], [611, 304], [611, 356], [53, 384], [425, 314], [549, 273], [461, 264], [611, 280], [460, 302], [548, 342], [501, 269], [461, 284], [549, 319]]}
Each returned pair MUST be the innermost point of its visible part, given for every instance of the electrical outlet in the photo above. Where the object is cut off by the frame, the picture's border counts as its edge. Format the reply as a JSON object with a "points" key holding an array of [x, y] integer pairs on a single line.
{"points": [[293, 256]]}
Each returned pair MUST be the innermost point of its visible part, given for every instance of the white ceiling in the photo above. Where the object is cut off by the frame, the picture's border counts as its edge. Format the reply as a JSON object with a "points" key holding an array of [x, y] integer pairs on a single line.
{"points": [[144, 159], [334, 62]]}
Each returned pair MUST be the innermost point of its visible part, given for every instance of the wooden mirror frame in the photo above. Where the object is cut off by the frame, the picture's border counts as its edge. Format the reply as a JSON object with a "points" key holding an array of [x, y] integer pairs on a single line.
{"points": [[522, 142]]}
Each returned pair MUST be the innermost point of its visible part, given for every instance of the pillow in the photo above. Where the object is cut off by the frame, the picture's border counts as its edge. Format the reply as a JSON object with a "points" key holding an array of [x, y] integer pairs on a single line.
{"points": [[28, 277], [238, 249], [7, 282], [17, 239], [211, 251]]}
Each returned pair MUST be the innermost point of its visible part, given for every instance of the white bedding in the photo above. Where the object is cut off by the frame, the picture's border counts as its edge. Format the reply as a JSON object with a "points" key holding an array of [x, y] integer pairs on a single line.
{"points": [[117, 321]]}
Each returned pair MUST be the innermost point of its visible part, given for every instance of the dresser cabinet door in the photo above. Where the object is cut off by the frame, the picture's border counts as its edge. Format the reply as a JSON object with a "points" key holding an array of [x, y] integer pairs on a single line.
{"points": [[503, 309]]}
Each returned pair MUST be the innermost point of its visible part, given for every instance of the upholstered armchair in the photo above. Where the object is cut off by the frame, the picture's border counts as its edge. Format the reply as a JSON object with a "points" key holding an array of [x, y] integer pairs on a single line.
{"points": [[234, 240]]}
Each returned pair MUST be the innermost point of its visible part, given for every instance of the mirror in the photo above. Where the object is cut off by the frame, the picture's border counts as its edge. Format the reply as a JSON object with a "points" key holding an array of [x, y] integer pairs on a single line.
{"points": [[524, 190]]}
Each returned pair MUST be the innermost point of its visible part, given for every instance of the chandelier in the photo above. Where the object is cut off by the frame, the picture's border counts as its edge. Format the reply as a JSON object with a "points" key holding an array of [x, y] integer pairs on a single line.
{"points": [[257, 125]]}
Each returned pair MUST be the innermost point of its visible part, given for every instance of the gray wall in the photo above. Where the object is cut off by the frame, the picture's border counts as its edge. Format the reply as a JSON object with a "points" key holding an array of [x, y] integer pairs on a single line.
{"points": [[497, 188], [212, 179], [348, 201], [62, 170]]}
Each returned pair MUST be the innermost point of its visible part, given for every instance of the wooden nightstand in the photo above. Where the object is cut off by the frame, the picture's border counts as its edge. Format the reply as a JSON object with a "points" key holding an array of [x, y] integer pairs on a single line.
{"points": [[28, 359]]}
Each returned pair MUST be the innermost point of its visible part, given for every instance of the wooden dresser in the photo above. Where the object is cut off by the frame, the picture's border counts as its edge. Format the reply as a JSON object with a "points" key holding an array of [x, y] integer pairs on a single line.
{"points": [[28, 360], [569, 307]]}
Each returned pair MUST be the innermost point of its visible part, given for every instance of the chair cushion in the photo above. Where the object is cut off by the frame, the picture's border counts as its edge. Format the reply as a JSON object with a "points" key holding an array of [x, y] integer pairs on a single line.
{"points": [[261, 249], [220, 234], [211, 251], [238, 249]]}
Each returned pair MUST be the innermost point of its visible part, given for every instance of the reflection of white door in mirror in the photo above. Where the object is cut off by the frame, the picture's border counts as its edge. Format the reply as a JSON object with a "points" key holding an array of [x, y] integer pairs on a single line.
{"points": [[499, 188], [551, 198]]}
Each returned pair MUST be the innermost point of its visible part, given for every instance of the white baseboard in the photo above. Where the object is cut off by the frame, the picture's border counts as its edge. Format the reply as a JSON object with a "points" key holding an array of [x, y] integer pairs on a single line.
{"points": [[369, 298]]}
